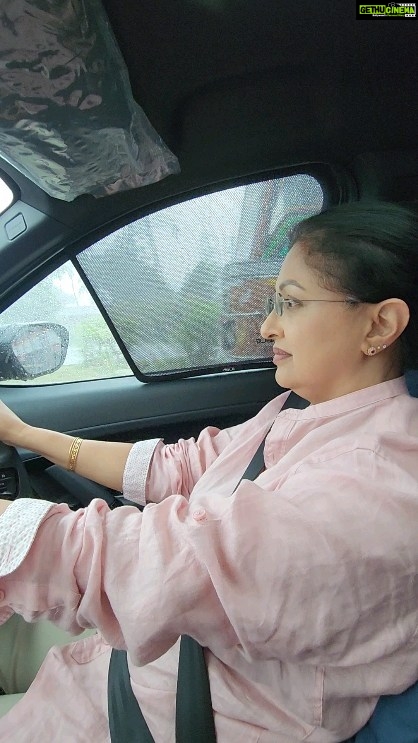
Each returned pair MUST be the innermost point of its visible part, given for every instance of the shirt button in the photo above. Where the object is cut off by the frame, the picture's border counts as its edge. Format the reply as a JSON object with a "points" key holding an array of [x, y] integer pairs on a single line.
{"points": [[2, 595], [199, 515]]}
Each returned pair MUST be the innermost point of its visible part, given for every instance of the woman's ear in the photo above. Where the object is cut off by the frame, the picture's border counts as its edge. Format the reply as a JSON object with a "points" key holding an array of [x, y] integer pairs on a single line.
{"points": [[388, 321]]}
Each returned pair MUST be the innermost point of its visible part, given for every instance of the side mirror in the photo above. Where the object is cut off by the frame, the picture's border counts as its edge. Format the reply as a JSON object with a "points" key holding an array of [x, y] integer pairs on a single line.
{"points": [[32, 350]]}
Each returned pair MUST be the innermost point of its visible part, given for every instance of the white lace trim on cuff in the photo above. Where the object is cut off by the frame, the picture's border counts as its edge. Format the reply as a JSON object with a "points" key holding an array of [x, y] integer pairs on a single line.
{"points": [[18, 526], [136, 470]]}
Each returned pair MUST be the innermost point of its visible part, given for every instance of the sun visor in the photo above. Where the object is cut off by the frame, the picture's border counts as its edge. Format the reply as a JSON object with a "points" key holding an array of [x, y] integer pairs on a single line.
{"points": [[68, 120]]}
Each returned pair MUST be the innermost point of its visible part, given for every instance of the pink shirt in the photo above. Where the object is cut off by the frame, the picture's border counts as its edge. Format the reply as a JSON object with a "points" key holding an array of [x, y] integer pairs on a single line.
{"points": [[302, 584]]}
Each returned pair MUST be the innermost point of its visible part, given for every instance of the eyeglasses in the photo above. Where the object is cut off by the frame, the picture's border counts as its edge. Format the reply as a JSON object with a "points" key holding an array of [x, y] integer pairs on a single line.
{"points": [[278, 303]]}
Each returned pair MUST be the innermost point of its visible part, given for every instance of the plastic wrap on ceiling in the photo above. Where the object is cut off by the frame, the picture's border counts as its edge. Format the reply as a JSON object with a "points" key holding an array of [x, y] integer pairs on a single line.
{"points": [[68, 120]]}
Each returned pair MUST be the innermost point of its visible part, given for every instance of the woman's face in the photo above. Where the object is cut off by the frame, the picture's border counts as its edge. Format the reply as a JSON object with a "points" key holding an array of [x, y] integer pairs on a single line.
{"points": [[317, 346]]}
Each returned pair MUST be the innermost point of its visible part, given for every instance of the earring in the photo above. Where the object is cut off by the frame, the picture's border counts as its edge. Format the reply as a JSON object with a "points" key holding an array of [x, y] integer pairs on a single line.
{"points": [[371, 351]]}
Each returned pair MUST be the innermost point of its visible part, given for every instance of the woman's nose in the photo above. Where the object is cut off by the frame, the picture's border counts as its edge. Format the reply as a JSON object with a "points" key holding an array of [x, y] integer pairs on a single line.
{"points": [[271, 327]]}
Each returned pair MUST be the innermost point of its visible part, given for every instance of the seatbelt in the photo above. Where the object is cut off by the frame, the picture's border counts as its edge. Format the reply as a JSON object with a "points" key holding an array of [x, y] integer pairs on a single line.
{"points": [[126, 721], [194, 712]]}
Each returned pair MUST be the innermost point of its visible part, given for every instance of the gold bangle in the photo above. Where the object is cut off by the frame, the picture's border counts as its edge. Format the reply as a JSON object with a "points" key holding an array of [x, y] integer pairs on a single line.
{"points": [[73, 453]]}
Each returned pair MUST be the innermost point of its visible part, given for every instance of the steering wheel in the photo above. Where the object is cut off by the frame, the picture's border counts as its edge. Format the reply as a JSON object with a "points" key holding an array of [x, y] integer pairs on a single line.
{"points": [[14, 480]]}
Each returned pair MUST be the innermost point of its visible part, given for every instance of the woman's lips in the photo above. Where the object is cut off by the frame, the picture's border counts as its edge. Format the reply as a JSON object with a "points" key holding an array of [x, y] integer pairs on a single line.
{"points": [[279, 355]]}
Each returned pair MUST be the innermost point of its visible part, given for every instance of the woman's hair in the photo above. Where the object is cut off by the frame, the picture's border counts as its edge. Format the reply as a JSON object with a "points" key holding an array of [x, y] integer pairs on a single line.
{"points": [[368, 251]]}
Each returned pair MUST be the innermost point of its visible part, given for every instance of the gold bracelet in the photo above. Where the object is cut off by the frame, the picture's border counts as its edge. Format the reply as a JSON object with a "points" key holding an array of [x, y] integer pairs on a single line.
{"points": [[73, 453]]}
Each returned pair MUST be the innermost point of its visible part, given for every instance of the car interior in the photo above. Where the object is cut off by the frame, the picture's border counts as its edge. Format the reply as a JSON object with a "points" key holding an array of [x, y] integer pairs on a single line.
{"points": [[261, 113]]}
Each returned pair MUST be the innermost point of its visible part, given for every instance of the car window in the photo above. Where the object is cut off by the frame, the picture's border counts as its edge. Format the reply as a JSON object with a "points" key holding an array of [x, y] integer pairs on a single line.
{"points": [[183, 288], [63, 298]]}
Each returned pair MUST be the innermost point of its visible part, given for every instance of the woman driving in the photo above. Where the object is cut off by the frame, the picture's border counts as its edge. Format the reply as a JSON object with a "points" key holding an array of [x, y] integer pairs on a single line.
{"points": [[301, 585]]}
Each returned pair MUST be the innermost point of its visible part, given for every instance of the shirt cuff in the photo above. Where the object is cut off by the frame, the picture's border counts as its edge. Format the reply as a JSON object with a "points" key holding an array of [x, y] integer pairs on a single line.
{"points": [[136, 471], [18, 526]]}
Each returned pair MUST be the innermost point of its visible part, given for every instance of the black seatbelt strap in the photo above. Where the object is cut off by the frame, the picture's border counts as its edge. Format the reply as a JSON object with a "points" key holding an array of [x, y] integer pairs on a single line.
{"points": [[126, 721], [194, 712]]}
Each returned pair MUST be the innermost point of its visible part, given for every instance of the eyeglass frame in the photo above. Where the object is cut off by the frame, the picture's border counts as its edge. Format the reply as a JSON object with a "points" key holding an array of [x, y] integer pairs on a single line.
{"points": [[277, 303]]}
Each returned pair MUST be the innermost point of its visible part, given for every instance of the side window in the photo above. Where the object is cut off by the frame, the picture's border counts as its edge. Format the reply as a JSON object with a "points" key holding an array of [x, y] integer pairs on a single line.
{"points": [[63, 298], [185, 287]]}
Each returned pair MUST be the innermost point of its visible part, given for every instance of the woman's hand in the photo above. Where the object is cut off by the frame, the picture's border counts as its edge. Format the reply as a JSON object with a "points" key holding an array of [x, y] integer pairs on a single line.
{"points": [[12, 428]]}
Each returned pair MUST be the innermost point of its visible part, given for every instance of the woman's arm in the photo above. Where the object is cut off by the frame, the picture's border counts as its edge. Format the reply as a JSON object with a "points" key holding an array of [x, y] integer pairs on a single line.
{"points": [[101, 461]]}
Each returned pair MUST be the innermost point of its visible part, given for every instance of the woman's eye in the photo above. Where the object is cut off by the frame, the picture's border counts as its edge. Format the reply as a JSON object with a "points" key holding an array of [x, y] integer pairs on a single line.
{"points": [[292, 303]]}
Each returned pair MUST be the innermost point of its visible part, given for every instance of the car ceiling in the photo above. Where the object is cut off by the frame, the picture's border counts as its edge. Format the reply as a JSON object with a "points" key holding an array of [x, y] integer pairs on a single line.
{"points": [[237, 88]]}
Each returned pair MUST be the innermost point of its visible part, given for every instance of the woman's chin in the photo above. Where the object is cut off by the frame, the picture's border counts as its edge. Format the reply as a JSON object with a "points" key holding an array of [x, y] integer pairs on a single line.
{"points": [[282, 379]]}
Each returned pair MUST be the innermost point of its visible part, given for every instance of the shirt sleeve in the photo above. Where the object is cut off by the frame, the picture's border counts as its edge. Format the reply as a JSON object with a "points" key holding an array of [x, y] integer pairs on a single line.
{"points": [[136, 470], [320, 571], [155, 470], [18, 526]]}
